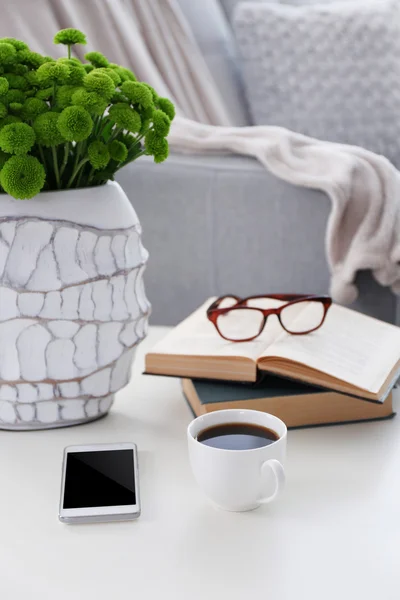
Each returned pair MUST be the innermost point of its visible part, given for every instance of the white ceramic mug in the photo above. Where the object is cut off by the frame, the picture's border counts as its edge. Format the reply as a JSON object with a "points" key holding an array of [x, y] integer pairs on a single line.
{"points": [[238, 480]]}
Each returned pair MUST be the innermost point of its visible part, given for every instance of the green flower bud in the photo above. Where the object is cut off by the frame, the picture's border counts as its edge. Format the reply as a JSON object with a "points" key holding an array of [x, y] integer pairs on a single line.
{"points": [[125, 74], [22, 177], [152, 90], [17, 82], [32, 108], [97, 59], [15, 107], [17, 138], [157, 146], [75, 123], [69, 37], [118, 151], [31, 59], [32, 78], [18, 45], [118, 97], [137, 93], [111, 73], [18, 69], [91, 101], [8, 53], [161, 123], [45, 94], [76, 71], [47, 132], [9, 120], [99, 155], [124, 116], [3, 110], [52, 71], [30, 93], [100, 83], [64, 95], [167, 107], [15, 96], [4, 86], [88, 68]]}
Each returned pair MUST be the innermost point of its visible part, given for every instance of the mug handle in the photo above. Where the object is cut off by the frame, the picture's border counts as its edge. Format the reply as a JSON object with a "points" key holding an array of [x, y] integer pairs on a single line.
{"points": [[276, 467]]}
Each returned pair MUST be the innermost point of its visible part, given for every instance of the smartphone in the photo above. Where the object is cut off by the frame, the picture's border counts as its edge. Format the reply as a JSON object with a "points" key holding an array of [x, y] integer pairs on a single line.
{"points": [[99, 483]]}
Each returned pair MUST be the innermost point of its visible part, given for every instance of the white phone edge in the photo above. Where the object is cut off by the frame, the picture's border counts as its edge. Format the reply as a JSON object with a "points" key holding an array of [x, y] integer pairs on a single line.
{"points": [[100, 514]]}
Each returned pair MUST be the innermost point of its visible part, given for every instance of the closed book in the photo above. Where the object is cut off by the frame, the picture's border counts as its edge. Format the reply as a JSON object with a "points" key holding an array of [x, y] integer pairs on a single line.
{"points": [[298, 405]]}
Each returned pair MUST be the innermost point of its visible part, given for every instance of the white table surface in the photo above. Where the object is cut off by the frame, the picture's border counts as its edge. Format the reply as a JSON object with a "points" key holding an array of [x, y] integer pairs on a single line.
{"points": [[333, 535]]}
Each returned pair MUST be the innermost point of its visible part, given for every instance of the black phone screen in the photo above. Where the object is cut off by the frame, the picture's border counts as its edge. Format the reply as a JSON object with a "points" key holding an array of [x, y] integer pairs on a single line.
{"points": [[99, 478]]}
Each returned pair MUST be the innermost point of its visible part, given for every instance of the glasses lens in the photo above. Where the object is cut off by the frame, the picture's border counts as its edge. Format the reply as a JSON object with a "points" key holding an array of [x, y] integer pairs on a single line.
{"points": [[302, 317], [240, 324]]}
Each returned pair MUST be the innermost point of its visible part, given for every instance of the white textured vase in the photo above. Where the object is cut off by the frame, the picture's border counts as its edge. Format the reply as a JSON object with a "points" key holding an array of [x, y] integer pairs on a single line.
{"points": [[72, 304]]}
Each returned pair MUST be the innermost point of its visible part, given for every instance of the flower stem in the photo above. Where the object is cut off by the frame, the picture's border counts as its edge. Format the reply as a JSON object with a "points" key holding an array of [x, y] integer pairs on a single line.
{"points": [[76, 170], [69, 50], [55, 163], [42, 157], [65, 159]]}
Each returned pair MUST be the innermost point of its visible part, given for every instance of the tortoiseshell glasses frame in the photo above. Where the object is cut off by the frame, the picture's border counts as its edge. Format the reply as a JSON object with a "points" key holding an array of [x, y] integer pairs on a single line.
{"points": [[214, 311]]}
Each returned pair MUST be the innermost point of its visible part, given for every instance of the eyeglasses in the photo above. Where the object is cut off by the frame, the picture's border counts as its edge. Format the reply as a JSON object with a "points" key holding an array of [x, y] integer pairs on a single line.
{"points": [[243, 319]]}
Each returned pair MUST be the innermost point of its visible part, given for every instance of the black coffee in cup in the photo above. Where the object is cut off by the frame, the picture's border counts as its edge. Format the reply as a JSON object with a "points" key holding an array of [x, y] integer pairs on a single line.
{"points": [[237, 436]]}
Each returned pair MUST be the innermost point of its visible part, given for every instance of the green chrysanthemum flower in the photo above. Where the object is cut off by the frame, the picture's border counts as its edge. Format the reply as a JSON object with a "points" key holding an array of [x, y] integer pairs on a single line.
{"points": [[97, 59], [32, 78], [30, 93], [137, 93], [100, 83], [157, 146], [15, 107], [22, 177], [125, 74], [8, 53], [76, 71], [18, 45], [75, 123], [4, 86], [17, 138], [69, 37], [118, 151], [152, 90], [32, 108], [161, 123], [119, 97], [45, 94], [17, 82], [31, 59], [167, 107], [8, 120], [64, 95], [99, 156], [3, 110], [111, 73], [18, 69], [124, 116], [15, 96], [93, 103], [52, 71], [47, 132], [88, 68]]}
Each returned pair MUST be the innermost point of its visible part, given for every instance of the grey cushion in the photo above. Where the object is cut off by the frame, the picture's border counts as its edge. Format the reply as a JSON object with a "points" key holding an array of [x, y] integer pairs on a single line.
{"points": [[329, 71]]}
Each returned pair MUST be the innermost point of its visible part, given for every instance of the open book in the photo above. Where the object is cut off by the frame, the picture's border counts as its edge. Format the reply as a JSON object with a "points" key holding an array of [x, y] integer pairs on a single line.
{"points": [[350, 353]]}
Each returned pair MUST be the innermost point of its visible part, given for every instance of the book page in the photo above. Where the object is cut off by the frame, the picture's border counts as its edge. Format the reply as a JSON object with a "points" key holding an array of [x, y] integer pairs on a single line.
{"points": [[357, 349], [197, 336]]}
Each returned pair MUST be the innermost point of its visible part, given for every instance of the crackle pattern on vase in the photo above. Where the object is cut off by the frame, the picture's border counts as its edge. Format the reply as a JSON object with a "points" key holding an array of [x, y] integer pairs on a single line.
{"points": [[72, 310]]}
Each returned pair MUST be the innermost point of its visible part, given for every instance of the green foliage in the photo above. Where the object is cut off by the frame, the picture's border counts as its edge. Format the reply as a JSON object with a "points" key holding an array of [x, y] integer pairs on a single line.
{"points": [[66, 124], [17, 138]]}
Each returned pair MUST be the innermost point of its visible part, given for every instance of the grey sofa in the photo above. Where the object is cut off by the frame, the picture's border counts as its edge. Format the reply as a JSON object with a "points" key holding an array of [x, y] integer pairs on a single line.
{"points": [[220, 224]]}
